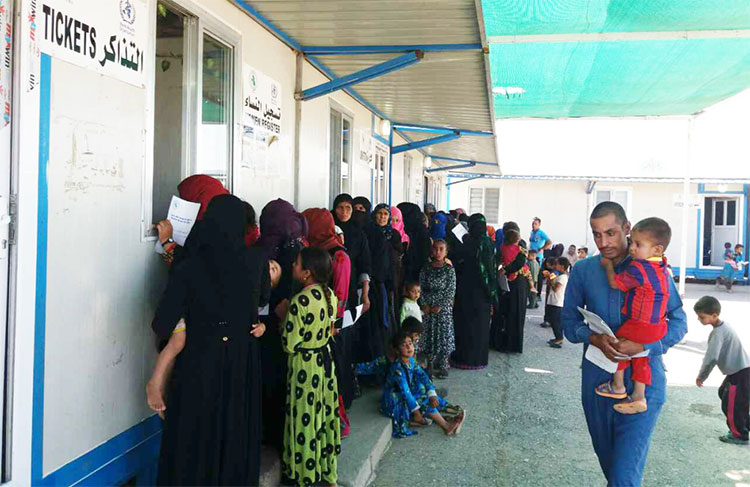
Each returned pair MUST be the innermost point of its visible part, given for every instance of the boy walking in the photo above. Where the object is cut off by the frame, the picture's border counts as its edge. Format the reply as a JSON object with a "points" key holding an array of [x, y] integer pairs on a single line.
{"points": [[726, 351], [533, 263]]}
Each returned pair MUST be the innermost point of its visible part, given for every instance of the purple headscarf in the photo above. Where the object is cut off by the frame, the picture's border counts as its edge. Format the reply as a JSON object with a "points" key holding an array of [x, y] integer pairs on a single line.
{"points": [[279, 223]]}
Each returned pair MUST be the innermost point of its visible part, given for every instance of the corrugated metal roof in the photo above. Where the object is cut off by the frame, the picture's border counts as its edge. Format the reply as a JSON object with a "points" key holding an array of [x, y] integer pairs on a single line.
{"points": [[445, 89]]}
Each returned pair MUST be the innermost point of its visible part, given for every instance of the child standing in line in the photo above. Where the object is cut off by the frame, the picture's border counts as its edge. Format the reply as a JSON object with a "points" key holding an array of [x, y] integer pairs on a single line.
{"points": [[438, 279], [533, 264], [646, 280], [312, 440], [410, 306], [583, 253], [726, 351], [409, 395], [556, 299], [549, 273]]}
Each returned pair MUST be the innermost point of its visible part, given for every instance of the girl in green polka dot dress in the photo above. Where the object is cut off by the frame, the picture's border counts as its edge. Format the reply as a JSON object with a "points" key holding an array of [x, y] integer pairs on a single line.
{"points": [[312, 439]]}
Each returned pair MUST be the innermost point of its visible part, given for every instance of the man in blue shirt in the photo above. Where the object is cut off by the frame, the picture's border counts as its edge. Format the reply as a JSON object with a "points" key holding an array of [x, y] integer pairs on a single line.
{"points": [[620, 441], [538, 240]]}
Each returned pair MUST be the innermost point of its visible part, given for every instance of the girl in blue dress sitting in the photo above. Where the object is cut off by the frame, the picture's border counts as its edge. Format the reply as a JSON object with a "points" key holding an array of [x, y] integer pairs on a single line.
{"points": [[409, 395]]}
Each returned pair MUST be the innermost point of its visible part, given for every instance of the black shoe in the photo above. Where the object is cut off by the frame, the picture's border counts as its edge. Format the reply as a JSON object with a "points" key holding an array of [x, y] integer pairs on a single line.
{"points": [[544, 324], [555, 345], [441, 374], [730, 438]]}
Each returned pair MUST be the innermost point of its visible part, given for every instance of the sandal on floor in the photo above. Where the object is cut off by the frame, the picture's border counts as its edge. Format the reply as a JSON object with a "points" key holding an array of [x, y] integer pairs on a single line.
{"points": [[452, 409], [458, 423], [629, 406], [606, 390]]}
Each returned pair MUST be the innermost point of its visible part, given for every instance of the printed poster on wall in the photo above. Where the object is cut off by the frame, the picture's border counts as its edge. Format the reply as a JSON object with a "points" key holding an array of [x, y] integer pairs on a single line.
{"points": [[262, 149], [106, 36], [365, 151], [6, 28]]}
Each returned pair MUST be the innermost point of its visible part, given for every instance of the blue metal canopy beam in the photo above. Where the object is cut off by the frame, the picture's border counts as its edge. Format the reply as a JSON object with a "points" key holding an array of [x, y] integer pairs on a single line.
{"points": [[262, 20], [453, 159], [450, 168], [361, 76], [411, 127], [394, 49], [464, 180], [424, 143]]}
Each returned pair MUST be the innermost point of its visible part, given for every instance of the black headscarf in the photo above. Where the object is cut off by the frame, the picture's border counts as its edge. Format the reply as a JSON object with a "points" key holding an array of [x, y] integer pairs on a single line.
{"points": [[419, 245], [361, 217], [356, 246]]}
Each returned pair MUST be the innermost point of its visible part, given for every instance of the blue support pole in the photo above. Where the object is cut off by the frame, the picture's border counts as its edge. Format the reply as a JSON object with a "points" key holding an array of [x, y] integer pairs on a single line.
{"points": [[424, 143], [410, 127], [361, 76], [449, 168], [390, 168], [393, 49]]}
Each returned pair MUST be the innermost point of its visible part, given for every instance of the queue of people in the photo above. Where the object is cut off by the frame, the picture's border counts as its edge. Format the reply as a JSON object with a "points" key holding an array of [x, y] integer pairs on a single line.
{"points": [[270, 327]]}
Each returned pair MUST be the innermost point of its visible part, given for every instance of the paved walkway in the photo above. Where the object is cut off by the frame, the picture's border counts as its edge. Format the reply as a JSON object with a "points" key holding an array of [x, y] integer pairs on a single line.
{"points": [[525, 424]]}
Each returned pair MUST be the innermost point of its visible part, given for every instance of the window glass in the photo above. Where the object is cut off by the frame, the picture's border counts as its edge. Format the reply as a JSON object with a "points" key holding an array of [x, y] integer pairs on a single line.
{"points": [[492, 205], [731, 212], [216, 119], [719, 213], [168, 121], [346, 148], [475, 200], [602, 196]]}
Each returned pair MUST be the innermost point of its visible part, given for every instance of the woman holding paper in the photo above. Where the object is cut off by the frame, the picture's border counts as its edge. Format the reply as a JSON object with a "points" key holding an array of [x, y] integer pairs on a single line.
{"points": [[476, 292], [214, 400]]}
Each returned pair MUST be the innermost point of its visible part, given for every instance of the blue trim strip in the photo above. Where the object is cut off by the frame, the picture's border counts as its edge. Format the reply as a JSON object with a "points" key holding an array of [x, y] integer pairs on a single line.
{"points": [[37, 415], [698, 240], [374, 132], [316, 62], [424, 143], [453, 159], [412, 127], [354, 50], [114, 461], [448, 168], [261, 19], [361, 76], [702, 190]]}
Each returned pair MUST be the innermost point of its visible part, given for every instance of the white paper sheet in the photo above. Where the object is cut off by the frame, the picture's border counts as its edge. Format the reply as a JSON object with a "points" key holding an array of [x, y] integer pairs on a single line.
{"points": [[459, 231], [182, 214], [263, 311], [594, 354], [349, 320]]}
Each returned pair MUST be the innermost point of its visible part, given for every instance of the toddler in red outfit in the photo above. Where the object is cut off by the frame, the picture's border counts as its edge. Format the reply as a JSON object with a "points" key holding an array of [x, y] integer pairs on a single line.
{"points": [[646, 282]]}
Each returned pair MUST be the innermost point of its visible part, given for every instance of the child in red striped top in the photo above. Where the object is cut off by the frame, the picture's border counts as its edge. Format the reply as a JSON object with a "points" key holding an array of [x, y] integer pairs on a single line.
{"points": [[645, 280]]}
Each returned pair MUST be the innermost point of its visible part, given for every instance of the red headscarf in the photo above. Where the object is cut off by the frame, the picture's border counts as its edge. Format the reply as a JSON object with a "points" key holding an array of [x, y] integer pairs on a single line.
{"points": [[200, 189], [322, 232]]}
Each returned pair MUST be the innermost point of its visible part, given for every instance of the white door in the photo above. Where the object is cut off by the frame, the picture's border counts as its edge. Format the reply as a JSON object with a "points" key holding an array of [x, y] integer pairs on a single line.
{"points": [[725, 227]]}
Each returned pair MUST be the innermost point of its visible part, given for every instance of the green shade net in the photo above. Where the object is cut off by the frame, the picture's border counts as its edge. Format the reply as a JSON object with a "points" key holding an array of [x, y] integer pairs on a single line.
{"points": [[616, 78]]}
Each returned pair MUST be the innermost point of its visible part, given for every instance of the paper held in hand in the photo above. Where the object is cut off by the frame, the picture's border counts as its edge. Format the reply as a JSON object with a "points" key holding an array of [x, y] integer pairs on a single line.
{"points": [[182, 215], [349, 320], [594, 354], [459, 231]]}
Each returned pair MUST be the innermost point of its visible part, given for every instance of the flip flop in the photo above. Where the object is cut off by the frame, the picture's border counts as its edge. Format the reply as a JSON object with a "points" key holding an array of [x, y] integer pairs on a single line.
{"points": [[629, 406], [606, 390], [459, 421], [453, 409]]}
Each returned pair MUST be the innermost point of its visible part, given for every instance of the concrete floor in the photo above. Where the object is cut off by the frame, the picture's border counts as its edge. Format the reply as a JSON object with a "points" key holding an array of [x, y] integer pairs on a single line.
{"points": [[525, 424]]}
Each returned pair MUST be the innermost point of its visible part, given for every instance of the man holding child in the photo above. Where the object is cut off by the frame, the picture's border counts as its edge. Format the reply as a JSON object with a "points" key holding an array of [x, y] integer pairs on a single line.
{"points": [[620, 441]]}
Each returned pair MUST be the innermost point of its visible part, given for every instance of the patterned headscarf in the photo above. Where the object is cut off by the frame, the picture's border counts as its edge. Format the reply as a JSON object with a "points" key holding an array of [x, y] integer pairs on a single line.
{"points": [[439, 221], [322, 232], [485, 253], [398, 225], [387, 229]]}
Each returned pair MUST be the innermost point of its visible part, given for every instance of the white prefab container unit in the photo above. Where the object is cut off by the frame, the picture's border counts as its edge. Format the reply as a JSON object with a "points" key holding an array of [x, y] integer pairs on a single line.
{"points": [[108, 104]]}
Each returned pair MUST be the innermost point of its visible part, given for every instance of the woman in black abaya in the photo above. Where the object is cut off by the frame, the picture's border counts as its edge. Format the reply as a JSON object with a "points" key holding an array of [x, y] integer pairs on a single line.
{"points": [[212, 428]]}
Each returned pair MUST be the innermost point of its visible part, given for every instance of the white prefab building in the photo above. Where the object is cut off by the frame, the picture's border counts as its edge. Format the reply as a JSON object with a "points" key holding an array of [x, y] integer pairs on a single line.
{"points": [[108, 104], [558, 170]]}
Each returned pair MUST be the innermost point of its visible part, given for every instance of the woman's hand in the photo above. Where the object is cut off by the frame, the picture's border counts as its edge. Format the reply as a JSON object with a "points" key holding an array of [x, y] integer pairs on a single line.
{"points": [[435, 310], [365, 303], [164, 228], [258, 329], [434, 402], [425, 310]]}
